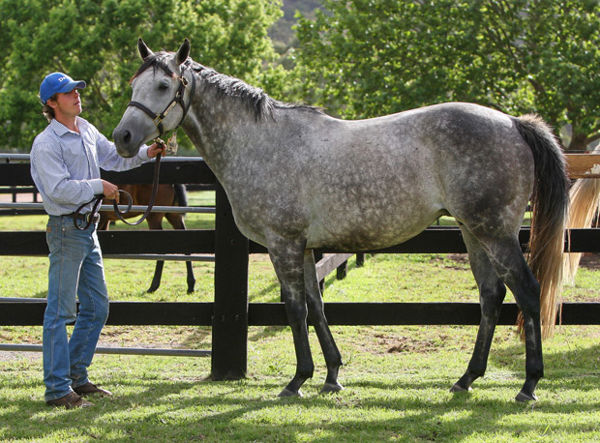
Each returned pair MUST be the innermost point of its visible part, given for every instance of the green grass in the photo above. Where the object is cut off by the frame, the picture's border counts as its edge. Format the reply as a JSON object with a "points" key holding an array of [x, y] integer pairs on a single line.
{"points": [[396, 378]]}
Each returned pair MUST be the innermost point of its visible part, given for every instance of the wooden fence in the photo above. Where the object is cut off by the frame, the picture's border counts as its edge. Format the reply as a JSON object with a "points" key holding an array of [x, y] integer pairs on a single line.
{"points": [[230, 314]]}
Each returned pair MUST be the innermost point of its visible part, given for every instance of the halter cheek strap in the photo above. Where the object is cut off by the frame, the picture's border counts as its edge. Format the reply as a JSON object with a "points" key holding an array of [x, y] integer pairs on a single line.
{"points": [[177, 100]]}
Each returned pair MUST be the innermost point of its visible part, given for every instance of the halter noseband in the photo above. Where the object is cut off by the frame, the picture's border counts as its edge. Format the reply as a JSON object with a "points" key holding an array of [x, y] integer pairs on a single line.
{"points": [[177, 100]]}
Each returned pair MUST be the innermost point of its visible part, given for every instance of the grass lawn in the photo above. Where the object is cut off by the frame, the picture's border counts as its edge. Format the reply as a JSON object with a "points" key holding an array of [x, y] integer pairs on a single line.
{"points": [[397, 379]]}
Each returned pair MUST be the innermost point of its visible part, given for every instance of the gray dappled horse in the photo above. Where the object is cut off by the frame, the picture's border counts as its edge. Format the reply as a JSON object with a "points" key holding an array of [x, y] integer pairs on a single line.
{"points": [[298, 179]]}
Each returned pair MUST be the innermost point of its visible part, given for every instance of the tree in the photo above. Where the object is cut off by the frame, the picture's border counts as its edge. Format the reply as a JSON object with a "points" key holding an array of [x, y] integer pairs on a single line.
{"points": [[368, 57], [95, 40]]}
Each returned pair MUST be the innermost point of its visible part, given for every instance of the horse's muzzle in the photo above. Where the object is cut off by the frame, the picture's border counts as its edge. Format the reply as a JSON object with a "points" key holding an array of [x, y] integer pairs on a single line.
{"points": [[126, 145]]}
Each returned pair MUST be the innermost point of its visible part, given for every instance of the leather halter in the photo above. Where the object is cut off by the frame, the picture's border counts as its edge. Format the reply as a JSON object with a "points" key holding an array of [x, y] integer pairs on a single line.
{"points": [[177, 100]]}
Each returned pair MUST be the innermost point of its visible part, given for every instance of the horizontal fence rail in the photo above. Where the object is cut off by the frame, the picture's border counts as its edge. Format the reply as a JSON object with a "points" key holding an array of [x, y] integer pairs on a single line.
{"points": [[273, 314], [114, 350], [199, 241], [163, 257], [173, 170]]}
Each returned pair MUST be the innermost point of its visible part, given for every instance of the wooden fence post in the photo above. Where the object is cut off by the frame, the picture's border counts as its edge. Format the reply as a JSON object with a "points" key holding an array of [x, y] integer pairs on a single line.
{"points": [[230, 314]]}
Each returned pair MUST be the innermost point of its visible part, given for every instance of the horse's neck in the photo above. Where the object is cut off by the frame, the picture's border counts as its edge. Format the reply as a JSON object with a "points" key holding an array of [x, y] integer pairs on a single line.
{"points": [[220, 131]]}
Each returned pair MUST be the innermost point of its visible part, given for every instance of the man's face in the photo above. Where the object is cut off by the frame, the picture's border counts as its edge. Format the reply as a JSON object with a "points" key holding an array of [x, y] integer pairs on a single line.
{"points": [[67, 104]]}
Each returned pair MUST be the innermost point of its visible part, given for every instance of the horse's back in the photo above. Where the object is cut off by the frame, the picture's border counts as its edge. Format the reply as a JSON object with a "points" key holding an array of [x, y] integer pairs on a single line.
{"points": [[388, 178]]}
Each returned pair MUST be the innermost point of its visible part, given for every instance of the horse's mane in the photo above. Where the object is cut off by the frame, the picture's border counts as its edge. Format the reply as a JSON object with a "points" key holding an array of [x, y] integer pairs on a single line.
{"points": [[255, 98]]}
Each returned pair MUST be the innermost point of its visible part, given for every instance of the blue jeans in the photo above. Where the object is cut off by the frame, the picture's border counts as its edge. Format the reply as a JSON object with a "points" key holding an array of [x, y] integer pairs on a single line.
{"points": [[76, 271]]}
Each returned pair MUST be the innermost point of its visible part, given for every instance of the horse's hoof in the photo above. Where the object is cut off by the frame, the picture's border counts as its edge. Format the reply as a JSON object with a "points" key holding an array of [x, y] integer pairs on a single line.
{"points": [[524, 397], [287, 393], [459, 388], [331, 387]]}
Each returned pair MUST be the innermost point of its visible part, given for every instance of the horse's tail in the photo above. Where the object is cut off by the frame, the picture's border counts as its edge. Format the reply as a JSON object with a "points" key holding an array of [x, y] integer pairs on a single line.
{"points": [[549, 203], [584, 198], [180, 194]]}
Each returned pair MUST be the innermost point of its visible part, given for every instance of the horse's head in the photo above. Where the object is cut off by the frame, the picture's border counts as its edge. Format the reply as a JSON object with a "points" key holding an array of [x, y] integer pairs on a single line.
{"points": [[159, 99]]}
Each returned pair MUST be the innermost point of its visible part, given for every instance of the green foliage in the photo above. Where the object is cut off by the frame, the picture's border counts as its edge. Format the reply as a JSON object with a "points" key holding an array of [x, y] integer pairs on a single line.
{"points": [[95, 40], [364, 58]]}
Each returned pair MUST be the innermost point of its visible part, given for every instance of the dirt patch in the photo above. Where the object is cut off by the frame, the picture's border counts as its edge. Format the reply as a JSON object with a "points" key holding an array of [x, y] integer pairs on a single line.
{"points": [[392, 344], [404, 344], [590, 260], [451, 261]]}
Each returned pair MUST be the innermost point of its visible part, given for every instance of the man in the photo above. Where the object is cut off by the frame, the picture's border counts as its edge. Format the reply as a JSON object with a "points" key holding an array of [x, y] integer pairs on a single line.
{"points": [[65, 165]]}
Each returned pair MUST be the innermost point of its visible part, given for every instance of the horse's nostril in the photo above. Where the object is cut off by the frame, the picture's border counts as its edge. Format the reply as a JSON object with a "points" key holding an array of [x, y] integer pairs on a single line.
{"points": [[126, 136]]}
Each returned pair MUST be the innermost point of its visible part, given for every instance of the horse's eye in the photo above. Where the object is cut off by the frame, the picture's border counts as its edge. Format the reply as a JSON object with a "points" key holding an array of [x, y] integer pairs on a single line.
{"points": [[164, 84]]}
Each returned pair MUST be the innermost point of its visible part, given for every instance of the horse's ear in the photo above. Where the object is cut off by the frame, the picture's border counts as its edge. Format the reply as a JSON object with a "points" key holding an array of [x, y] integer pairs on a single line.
{"points": [[144, 50], [183, 52]]}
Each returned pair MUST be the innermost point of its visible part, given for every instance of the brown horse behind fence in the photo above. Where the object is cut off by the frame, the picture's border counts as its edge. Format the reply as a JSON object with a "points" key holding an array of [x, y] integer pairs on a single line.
{"points": [[167, 195]]}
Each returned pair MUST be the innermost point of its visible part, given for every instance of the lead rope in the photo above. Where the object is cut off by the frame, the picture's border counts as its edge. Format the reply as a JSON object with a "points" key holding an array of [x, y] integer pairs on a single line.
{"points": [[90, 216], [97, 200], [148, 210]]}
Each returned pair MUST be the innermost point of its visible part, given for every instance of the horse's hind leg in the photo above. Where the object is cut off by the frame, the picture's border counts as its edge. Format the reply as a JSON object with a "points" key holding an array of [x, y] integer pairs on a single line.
{"points": [[511, 267], [288, 261], [491, 296], [332, 355], [157, 277]]}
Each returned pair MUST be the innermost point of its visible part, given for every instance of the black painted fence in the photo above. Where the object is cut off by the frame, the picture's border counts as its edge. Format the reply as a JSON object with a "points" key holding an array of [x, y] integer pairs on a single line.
{"points": [[230, 314]]}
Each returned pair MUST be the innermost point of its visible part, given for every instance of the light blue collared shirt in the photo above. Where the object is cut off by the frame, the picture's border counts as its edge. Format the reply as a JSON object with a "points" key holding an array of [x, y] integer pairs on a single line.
{"points": [[65, 165]]}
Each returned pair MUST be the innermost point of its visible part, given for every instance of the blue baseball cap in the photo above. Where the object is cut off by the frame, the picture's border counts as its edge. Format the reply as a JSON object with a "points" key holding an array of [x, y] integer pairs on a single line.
{"points": [[58, 82]]}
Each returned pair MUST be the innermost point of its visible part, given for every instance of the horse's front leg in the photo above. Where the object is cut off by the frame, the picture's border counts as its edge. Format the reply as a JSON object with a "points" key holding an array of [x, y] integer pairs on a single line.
{"points": [[332, 355], [288, 261]]}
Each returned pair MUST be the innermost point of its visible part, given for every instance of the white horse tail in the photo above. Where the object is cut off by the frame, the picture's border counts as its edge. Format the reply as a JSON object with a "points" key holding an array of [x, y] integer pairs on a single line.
{"points": [[549, 214], [584, 198]]}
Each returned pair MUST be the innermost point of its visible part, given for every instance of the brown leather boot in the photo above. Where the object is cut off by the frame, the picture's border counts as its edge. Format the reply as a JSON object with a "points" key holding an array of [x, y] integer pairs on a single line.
{"points": [[91, 389], [70, 401]]}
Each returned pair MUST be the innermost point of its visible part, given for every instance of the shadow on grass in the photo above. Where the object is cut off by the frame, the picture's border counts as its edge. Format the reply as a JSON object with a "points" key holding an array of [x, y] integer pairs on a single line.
{"points": [[162, 408], [580, 359], [266, 332], [263, 292], [185, 410]]}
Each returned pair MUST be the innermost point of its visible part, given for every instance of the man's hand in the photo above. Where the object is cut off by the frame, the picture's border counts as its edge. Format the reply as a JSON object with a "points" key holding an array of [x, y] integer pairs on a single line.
{"points": [[155, 149], [110, 191]]}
